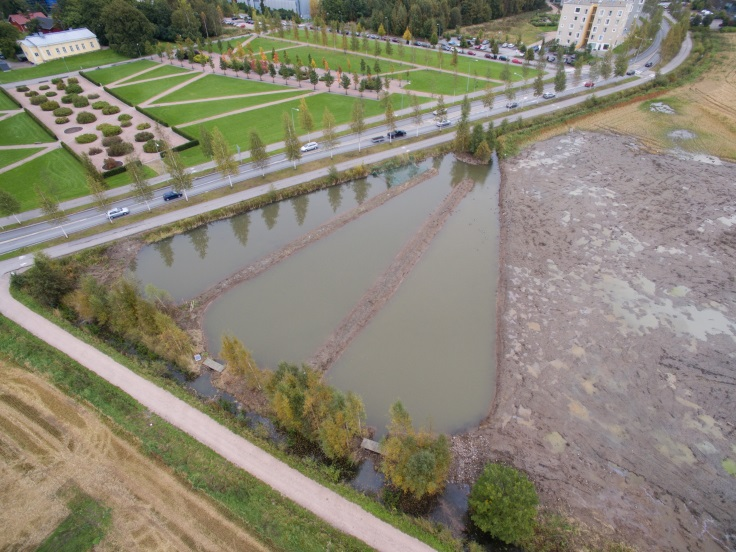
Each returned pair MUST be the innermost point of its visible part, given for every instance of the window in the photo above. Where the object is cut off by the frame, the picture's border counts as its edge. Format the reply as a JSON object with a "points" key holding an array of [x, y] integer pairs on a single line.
{"points": [[620, 13], [608, 21], [614, 30], [77, 47], [83, 48], [577, 35], [584, 18], [64, 48], [595, 29], [605, 29], [48, 52], [569, 34], [586, 11], [571, 25], [57, 51], [92, 45], [577, 10], [575, 18], [610, 12], [600, 37], [36, 53]]}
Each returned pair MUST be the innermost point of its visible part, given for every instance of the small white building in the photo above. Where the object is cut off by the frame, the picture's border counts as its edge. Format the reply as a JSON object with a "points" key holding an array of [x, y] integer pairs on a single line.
{"points": [[600, 24], [40, 48]]}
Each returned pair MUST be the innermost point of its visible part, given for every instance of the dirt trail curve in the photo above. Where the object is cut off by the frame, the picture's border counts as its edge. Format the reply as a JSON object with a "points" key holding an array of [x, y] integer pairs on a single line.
{"points": [[387, 284], [335, 510]]}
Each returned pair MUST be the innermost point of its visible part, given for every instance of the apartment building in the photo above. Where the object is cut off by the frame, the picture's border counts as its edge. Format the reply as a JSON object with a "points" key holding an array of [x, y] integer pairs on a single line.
{"points": [[40, 48], [599, 24]]}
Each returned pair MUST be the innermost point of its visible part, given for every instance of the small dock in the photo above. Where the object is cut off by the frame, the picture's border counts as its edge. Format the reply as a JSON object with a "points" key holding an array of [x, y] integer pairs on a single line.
{"points": [[216, 366], [373, 446]]}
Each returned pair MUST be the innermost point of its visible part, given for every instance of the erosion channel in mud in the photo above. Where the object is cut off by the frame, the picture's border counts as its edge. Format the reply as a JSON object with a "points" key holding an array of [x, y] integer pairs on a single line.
{"points": [[431, 345]]}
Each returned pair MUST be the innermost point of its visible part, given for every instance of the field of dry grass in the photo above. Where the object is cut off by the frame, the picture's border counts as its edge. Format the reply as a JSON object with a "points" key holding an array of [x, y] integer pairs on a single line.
{"points": [[49, 443]]}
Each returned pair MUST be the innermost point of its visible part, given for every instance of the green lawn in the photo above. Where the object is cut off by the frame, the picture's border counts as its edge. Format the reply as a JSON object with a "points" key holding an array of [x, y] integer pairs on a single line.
{"points": [[63, 66], [6, 104], [213, 86], [444, 83], [161, 71], [82, 529], [138, 93], [183, 113], [509, 29], [112, 74], [21, 129], [10, 156]]}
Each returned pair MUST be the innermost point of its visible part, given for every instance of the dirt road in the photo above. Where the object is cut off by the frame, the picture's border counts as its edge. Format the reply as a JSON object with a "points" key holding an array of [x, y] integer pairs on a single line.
{"points": [[617, 340], [335, 510]]}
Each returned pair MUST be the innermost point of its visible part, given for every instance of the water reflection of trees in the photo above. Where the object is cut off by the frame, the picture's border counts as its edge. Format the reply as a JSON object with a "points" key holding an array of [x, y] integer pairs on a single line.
{"points": [[458, 172], [200, 240], [300, 204], [240, 225], [270, 214], [166, 250], [360, 189], [334, 194]]}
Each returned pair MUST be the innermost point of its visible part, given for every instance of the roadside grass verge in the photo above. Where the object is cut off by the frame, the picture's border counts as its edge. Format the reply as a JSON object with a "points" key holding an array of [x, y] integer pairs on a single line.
{"points": [[10, 156], [445, 84], [112, 74], [21, 129], [82, 529], [141, 92], [214, 86], [63, 66], [161, 71]]}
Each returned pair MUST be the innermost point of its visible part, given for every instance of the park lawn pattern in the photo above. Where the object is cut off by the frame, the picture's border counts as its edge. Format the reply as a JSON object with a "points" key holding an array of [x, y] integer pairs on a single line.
{"points": [[445, 84], [10, 156], [161, 71], [141, 92], [184, 113], [6, 104], [63, 66], [112, 74], [21, 129], [213, 86]]}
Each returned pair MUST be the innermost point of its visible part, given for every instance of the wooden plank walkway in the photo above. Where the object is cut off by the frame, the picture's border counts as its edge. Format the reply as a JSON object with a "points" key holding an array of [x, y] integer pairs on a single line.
{"points": [[373, 446], [216, 366]]}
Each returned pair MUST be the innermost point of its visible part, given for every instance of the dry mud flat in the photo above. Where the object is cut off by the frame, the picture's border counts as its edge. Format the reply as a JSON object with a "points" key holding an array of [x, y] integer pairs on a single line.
{"points": [[617, 340]]}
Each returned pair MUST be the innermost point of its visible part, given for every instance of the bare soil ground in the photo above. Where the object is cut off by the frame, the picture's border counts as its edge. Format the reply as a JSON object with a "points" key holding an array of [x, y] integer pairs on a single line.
{"points": [[49, 442], [617, 340]]}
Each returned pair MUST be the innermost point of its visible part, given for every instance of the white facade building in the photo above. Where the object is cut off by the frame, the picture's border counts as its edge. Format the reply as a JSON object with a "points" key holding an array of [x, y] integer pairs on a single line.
{"points": [[600, 24], [39, 48]]}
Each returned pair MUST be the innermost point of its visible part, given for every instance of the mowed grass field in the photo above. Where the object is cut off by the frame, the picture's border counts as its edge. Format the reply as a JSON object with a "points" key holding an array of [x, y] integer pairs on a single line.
{"points": [[10, 156], [160, 71], [63, 66], [112, 74], [21, 129], [508, 29], [141, 92], [216, 86], [705, 108], [6, 104], [445, 84], [149, 507]]}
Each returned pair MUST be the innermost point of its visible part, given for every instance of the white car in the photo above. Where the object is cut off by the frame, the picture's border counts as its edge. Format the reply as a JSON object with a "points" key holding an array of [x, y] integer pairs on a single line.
{"points": [[444, 123], [548, 95], [310, 146], [117, 212]]}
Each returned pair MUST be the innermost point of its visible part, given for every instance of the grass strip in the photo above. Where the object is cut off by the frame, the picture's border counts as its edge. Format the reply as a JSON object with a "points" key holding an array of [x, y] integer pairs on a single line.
{"points": [[82, 529], [63, 66]]}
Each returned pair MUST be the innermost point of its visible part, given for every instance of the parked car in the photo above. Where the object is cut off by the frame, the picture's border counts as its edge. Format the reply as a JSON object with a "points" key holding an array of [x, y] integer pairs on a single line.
{"points": [[630, 72], [551, 59], [443, 123], [309, 146], [172, 194], [548, 95], [648, 64], [396, 134], [512, 105], [589, 84], [378, 139], [117, 212], [517, 61], [471, 53], [502, 58], [490, 56]]}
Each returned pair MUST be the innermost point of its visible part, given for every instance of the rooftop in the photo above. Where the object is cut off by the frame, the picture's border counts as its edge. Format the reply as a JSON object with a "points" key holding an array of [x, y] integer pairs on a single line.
{"points": [[44, 40]]}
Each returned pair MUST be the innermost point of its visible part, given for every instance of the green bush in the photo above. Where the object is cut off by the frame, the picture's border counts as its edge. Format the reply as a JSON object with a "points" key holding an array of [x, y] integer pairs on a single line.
{"points": [[100, 105], [125, 117], [109, 130], [85, 138], [86, 117], [153, 146], [72, 80], [74, 89], [120, 149], [93, 96], [50, 94], [80, 101], [44, 87], [22, 89], [68, 98], [144, 136], [61, 86], [57, 80], [63, 112], [126, 124], [143, 126], [38, 100], [503, 503], [50, 105], [31, 93], [94, 151], [62, 120], [110, 110], [110, 140]]}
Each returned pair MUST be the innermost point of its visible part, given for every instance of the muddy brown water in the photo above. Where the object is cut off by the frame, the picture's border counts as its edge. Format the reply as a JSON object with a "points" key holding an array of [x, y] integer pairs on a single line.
{"points": [[432, 346]]}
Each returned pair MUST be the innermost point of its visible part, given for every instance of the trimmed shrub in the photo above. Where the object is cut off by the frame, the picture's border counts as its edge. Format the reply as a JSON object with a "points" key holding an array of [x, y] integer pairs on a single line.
{"points": [[63, 112], [93, 96], [80, 101], [86, 117], [110, 110], [38, 100], [109, 130], [153, 146], [22, 89], [110, 140], [126, 124], [31, 93], [68, 98], [50, 94], [74, 89], [100, 105], [44, 87], [57, 80], [125, 117], [50, 105], [85, 138], [111, 164], [60, 86], [118, 150], [144, 136], [72, 80], [94, 151], [143, 126], [62, 120]]}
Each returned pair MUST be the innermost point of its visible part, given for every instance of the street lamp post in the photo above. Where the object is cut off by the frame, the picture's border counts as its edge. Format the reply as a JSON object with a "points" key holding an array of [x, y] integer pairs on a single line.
{"points": [[293, 109]]}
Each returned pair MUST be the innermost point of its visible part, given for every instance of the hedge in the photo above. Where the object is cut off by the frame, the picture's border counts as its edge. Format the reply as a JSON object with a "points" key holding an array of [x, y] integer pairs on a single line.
{"points": [[22, 89], [63, 112], [71, 151], [90, 79], [86, 117], [113, 172], [151, 116], [38, 100], [183, 133], [85, 138], [7, 94], [43, 126], [62, 120], [186, 145], [50, 105], [115, 95]]}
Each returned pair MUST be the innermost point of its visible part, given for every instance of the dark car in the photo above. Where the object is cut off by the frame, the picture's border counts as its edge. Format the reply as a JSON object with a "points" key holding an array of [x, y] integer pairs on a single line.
{"points": [[630, 72], [503, 58], [648, 64], [172, 194], [512, 105], [589, 84], [378, 139], [396, 134]]}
